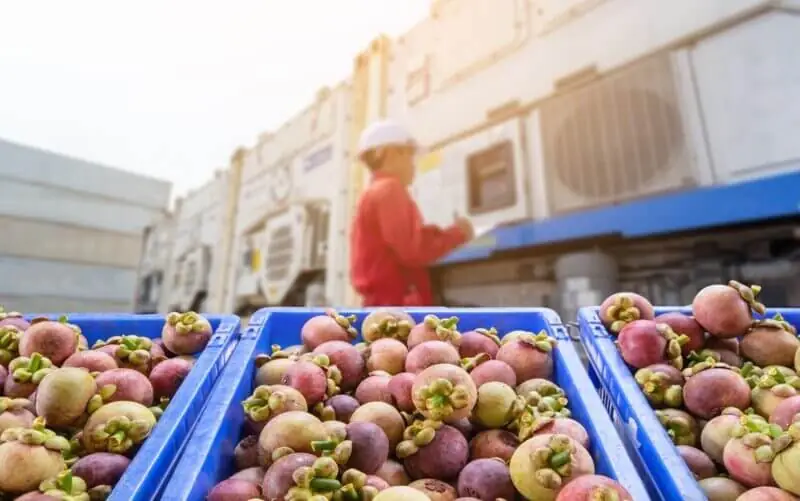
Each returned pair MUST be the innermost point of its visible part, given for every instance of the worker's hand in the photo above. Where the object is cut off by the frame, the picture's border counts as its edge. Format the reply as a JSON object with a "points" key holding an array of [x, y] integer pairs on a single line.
{"points": [[465, 225]]}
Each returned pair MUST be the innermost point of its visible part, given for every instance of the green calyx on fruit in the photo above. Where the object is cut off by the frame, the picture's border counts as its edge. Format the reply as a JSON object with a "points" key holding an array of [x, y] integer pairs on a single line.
{"points": [[30, 370], [445, 328], [158, 410], [604, 494], [13, 404], [751, 373], [345, 322], [392, 328], [264, 403], [656, 387], [528, 423], [551, 405], [336, 447], [9, 343], [134, 350], [76, 449], [277, 352], [749, 295], [775, 323], [470, 363], [65, 486], [332, 372], [540, 341], [319, 478], [37, 434], [188, 322], [354, 487], [764, 438], [675, 343], [440, 398], [624, 311], [775, 378], [101, 397], [678, 428], [553, 462], [418, 434], [119, 434], [324, 412], [491, 333], [707, 364]]}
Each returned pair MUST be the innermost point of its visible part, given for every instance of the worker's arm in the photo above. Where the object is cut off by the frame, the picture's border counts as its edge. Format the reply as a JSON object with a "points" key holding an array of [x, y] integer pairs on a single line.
{"points": [[414, 243]]}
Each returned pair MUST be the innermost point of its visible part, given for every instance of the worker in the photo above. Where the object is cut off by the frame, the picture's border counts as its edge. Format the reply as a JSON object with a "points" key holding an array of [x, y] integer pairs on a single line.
{"points": [[390, 246]]}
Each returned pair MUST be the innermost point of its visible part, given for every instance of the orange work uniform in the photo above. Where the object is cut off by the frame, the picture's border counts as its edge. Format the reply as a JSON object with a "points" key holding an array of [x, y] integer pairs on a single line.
{"points": [[391, 248]]}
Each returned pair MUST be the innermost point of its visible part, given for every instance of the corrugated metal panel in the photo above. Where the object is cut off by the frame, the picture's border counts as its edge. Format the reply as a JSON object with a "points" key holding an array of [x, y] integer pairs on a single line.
{"points": [[47, 304], [71, 207], [39, 239], [39, 166], [37, 277]]}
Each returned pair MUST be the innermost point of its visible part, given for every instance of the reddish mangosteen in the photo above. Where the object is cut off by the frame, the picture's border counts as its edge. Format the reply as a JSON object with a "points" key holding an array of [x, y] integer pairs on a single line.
{"points": [[544, 464], [434, 329], [309, 378], [662, 384], [393, 473], [486, 479], [328, 327], [717, 432], [441, 457], [14, 319], [748, 455], [621, 308], [377, 482], [563, 426], [279, 477], [347, 359], [684, 325], [375, 388], [430, 353], [530, 355], [9, 343], [185, 333], [593, 488], [168, 376], [771, 389], [124, 385], [681, 427], [785, 413], [400, 387], [698, 462], [24, 374], [494, 370], [645, 342], [479, 341], [160, 343], [710, 389], [771, 342], [493, 443], [92, 361], [54, 340], [388, 355], [726, 311], [444, 392], [387, 323]]}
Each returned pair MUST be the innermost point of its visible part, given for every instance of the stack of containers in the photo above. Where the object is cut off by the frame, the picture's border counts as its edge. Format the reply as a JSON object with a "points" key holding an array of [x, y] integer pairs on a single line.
{"points": [[664, 471], [208, 457], [150, 468]]}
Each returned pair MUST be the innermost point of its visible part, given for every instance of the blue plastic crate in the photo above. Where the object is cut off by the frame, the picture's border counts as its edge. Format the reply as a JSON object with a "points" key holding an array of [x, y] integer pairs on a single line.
{"points": [[208, 458], [666, 475], [152, 464]]}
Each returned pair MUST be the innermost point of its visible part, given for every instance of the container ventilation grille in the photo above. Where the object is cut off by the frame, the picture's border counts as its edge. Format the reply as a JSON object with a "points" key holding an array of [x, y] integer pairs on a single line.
{"points": [[279, 254], [616, 139]]}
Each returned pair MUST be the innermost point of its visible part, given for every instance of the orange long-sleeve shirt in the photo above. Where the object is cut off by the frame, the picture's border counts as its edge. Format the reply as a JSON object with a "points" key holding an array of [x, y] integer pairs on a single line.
{"points": [[391, 248]]}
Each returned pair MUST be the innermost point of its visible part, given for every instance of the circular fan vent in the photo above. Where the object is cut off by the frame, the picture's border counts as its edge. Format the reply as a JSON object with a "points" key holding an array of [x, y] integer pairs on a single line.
{"points": [[611, 141]]}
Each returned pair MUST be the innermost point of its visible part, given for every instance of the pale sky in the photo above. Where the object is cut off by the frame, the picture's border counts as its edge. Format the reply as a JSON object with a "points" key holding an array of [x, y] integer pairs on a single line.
{"points": [[169, 88]]}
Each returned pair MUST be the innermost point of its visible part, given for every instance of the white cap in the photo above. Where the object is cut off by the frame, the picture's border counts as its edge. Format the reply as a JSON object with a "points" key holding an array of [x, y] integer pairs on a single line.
{"points": [[384, 133]]}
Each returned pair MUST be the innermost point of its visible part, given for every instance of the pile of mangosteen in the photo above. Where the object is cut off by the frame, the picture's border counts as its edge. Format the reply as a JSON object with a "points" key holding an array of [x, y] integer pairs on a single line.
{"points": [[72, 417], [417, 411], [724, 383]]}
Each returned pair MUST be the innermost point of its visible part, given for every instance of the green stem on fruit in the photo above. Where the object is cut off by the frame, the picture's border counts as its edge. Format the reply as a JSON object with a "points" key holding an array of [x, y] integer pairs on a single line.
{"points": [[555, 457], [540, 341], [188, 322], [440, 398], [470, 363], [748, 294]]}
